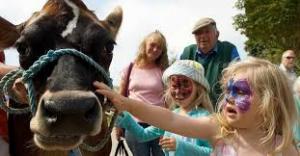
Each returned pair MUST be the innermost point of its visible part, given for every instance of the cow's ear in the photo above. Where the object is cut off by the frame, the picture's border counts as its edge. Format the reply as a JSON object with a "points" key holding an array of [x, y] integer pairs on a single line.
{"points": [[114, 20], [8, 34]]}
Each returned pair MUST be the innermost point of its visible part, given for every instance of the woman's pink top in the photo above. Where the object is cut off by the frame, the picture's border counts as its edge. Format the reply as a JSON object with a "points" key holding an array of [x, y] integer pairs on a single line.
{"points": [[146, 85]]}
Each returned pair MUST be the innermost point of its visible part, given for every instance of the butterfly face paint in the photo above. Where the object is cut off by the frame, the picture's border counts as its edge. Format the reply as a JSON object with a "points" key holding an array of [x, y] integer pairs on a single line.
{"points": [[240, 92], [181, 87]]}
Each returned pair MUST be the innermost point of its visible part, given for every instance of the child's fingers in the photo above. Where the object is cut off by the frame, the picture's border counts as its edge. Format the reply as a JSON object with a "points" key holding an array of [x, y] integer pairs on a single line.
{"points": [[168, 146], [164, 141], [168, 143], [103, 89], [114, 97], [100, 85], [109, 94]]}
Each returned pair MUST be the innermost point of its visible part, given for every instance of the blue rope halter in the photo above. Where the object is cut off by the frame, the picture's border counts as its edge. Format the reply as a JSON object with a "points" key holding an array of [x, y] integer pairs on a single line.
{"points": [[27, 76]]}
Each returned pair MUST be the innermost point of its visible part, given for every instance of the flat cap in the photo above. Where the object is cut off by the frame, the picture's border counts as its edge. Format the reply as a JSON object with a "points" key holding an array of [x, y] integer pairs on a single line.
{"points": [[202, 23]]}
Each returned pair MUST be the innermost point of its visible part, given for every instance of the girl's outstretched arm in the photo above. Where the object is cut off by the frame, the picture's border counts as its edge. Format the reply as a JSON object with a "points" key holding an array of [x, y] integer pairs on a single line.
{"points": [[204, 127]]}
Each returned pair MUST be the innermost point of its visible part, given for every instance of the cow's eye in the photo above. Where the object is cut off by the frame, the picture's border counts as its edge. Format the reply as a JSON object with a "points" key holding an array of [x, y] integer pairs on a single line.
{"points": [[22, 48], [109, 47]]}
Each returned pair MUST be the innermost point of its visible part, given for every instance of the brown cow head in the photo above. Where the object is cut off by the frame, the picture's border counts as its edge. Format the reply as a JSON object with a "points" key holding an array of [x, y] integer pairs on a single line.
{"points": [[68, 110]]}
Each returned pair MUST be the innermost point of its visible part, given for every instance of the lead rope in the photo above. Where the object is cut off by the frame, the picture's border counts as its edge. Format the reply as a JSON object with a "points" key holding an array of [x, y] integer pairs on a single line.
{"points": [[27, 76]]}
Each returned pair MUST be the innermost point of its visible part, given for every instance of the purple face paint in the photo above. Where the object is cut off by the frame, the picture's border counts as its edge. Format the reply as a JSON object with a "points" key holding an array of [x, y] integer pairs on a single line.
{"points": [[239, 91]]}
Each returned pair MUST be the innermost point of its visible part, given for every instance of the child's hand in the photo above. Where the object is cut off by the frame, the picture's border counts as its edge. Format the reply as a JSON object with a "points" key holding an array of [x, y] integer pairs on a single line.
{"points": [[168, 143], [114, 97]]}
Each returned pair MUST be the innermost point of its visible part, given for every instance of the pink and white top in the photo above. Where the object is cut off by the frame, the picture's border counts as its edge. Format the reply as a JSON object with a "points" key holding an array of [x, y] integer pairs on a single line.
{"points": [[225, 149], [146, 85]]}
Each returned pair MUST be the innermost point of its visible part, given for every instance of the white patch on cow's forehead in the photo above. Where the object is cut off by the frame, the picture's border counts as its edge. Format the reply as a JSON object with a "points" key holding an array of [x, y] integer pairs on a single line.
{"points": [[72, 24]]}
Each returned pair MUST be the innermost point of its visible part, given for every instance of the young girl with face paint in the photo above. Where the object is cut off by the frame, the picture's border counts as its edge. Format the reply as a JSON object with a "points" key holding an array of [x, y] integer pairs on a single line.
{"points": [[187, 89], [255, 116]]}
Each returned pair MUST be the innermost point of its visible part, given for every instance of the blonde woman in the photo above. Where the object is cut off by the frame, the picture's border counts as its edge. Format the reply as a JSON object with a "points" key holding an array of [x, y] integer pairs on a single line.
{"points": [[145, 85], [256, 116], [187, 93]]}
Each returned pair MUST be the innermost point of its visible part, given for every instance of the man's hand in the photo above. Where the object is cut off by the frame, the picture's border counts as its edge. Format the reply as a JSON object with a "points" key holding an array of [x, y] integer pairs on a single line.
{"points": [[20, 91]]}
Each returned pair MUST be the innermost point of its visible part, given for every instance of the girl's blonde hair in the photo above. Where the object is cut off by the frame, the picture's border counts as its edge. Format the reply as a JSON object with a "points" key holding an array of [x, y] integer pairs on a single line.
{"points": [[162, 61], [271, 89], [202, 99]]}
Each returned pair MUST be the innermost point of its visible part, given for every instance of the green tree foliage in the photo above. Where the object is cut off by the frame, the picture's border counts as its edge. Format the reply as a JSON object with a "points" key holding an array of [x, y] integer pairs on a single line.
{"points": [[271, 26]]}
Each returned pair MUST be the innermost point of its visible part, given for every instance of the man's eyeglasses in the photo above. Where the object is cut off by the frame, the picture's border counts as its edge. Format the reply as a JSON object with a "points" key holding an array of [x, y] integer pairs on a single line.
{"points": [[290, 57]]}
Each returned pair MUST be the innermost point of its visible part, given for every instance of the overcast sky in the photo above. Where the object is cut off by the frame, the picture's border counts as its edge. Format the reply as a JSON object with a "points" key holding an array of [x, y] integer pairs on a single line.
{"points": [[174, 18]]}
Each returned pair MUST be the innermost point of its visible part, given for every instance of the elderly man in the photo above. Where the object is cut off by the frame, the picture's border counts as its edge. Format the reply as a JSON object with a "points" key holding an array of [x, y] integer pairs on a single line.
{"points": [[213, 54], [288, 64]]}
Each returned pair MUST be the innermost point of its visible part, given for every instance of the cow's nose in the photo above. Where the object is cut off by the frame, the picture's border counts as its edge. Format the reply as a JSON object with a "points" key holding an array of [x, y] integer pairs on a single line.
{"points": [[84, 108], [70, 110]]}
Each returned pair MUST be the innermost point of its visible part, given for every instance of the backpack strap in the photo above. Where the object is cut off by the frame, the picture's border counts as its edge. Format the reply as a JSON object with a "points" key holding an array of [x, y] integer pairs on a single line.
{"points": [[125, 91]]}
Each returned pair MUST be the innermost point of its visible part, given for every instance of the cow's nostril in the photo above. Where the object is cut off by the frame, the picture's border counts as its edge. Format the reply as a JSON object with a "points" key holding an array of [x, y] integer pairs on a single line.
{"points": [[91, 114], [49, 113]]}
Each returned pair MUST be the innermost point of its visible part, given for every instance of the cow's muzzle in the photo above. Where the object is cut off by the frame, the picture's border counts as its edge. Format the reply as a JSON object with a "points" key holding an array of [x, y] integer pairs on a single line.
{"points": [[65, 118]]}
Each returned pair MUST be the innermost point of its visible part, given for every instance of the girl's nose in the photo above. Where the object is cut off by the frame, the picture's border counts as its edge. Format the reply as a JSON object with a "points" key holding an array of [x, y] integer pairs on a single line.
{"points": [[177, 90], [155, 49], [229, 99]]}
